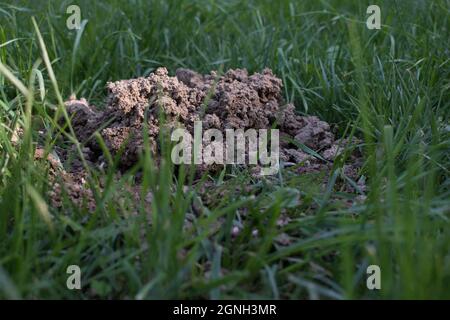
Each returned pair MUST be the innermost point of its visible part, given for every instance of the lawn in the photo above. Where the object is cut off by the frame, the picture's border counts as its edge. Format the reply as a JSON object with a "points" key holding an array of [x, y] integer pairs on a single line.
{"points": [[288, 236]]}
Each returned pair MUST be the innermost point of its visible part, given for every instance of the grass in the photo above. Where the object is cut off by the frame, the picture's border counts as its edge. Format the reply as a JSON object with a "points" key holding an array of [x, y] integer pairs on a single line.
{"points": [[389, 87]]}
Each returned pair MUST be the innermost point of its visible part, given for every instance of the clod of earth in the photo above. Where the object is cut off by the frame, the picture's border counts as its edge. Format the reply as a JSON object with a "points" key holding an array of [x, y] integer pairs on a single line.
{"points": [[232, 101], [235, 100]]}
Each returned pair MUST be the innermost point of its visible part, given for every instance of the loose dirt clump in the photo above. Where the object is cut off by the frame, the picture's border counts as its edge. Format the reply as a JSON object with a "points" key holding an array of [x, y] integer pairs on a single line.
{"points": [[234, 100], [72, 183]]}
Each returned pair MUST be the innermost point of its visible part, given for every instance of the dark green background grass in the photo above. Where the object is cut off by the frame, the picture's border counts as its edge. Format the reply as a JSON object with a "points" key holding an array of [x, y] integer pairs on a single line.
{"points": [[389, 87]]}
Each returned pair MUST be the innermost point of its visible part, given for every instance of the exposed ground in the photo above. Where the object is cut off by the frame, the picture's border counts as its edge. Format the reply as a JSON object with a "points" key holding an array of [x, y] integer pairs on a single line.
{"points": [[234, 100]]}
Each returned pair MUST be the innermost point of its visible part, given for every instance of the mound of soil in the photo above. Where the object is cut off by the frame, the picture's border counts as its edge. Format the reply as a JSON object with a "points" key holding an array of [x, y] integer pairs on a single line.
{"points": [[234, 100]]}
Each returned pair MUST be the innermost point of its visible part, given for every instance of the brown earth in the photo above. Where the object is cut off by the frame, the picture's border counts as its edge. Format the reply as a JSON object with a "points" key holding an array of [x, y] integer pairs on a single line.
{"points": [[232, 101], [235, 100]]}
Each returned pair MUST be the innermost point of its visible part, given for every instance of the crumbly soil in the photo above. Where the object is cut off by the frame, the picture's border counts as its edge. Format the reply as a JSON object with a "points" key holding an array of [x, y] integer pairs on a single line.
{"points": [[234, 100]]}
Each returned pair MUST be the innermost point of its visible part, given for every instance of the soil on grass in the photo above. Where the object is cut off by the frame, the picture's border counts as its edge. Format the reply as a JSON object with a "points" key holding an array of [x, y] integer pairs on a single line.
{"points": [[234, 100]]}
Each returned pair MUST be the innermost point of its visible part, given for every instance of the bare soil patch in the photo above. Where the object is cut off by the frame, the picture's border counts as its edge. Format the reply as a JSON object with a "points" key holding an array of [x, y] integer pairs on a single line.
{"points": [[234, 100]]}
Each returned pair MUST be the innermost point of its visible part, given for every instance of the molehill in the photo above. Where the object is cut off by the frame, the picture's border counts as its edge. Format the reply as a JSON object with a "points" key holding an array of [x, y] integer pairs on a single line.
{"points": [[234, 100]]}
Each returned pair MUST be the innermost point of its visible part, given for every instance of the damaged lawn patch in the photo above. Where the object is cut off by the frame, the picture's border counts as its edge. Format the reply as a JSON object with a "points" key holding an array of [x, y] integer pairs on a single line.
{"points": [[234, 100]]}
